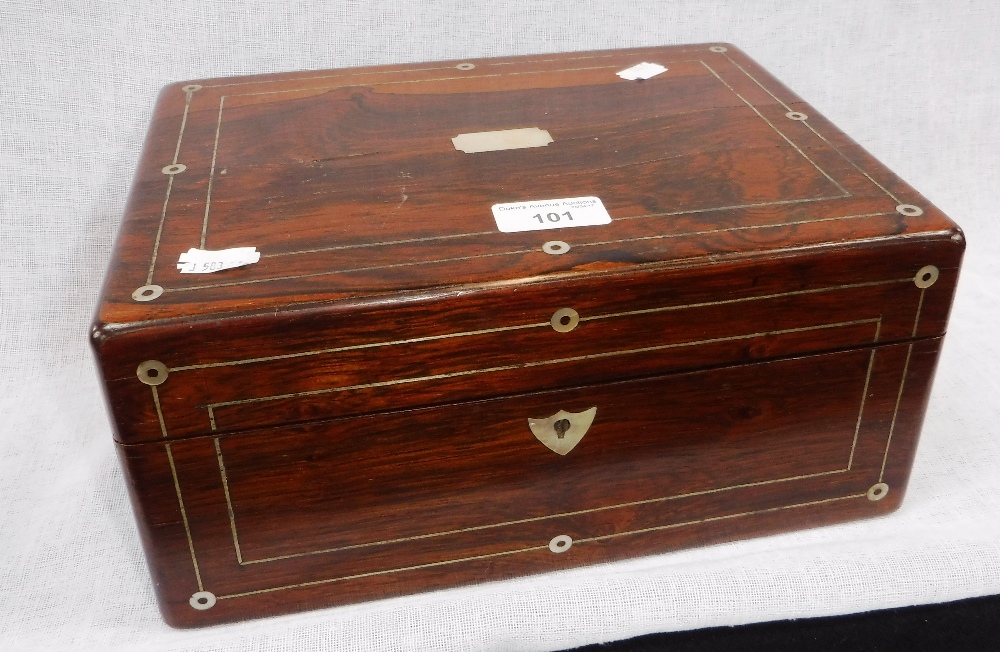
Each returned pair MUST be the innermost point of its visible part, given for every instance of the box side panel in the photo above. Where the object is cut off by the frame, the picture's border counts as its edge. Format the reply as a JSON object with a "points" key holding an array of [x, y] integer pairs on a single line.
{"points": [[277, 520]]}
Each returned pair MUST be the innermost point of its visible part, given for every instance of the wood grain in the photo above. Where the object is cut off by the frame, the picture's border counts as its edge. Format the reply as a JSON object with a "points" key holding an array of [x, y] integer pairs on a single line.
{"points": [[348, 418]]}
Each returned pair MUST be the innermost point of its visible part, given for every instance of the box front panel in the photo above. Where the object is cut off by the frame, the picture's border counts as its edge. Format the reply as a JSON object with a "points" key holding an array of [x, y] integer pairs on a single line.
{"points": [[276, 519], [280, 369]]}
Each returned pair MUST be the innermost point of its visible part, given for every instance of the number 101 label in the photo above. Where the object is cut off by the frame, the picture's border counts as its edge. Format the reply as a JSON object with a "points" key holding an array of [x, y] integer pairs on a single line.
{"points": [[550, 214]]}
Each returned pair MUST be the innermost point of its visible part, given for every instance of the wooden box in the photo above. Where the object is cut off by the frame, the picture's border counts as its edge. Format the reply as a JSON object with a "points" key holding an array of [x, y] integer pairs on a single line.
{"points": [[421, 384]]}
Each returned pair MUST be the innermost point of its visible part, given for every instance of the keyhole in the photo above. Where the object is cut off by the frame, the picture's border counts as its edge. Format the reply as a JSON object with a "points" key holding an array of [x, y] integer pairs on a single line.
{"points": [[561, 426]]}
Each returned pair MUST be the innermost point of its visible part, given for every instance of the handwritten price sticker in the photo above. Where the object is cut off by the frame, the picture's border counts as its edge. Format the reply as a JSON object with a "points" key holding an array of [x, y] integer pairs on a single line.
{"points": [[202, 261]]}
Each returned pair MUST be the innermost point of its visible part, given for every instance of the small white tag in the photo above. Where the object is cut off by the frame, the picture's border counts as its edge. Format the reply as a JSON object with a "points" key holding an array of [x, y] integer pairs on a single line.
{"points": [[550, 214], [200, 261], [642, 71]]}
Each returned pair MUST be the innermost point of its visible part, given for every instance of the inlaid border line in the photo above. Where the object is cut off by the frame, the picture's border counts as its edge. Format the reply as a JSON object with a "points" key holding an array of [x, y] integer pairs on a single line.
{"points": [[421, 81], [853, 164], [895, 412], [188, 94], [229, 502], [362, 72], [177, 488], [205, 225], [170, 185], [546, 324], [211, 174], [539, 363], [184, 518], [920, 305], [845, 192], [617, 53], [159, 412], [902, 385], [864, 397], [350, 74], [719, 518], [232, 521], [535, 250], [542, 547], [477, 528], [617, 219], [222, 99], [813, 129]]}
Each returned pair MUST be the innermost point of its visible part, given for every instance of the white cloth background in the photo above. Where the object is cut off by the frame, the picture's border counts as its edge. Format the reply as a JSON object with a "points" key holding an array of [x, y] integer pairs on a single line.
{"points": [[917, 83]]}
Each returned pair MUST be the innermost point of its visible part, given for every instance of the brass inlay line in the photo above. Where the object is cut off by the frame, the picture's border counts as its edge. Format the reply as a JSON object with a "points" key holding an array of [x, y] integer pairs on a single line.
{"points": [[159, 230], [381, 572], [421, 81], [754, 298], [526, 365], [617, 219], [537, 518], [211, 174], [812, 129], [599, 56], [500, 329], [895, 412], [159, 411], [408, 70], [717, 518], [184, 117], [533, 250], [853, 164], [290, 277], [779, 202], [350, 74], [377, 244], [348, 271], [735, 228], [542, 547], [222, 99], [563, 514], [229, 501], [170, 185], [355, 347], [757, 82], [778, 131], [902, 384], [920, 305], [184, 518], [864, 396]]}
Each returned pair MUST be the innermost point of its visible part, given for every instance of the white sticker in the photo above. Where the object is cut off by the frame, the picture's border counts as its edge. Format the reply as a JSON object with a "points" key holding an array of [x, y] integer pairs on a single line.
{"points": [[642, 71], [200, 261], [550, 214]]}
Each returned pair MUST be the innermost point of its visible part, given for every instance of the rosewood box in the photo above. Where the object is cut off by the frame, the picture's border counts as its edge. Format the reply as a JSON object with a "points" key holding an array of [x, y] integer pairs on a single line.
{"points": [[509, 316]]}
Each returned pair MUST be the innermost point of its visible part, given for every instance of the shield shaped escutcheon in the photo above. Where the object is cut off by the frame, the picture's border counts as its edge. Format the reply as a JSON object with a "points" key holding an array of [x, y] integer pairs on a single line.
{"points": [[563, 430]]}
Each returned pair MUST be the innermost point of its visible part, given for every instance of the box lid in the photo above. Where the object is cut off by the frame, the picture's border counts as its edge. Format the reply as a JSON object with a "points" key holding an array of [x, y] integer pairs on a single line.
{"points": [[349, 184], [396, 187]]}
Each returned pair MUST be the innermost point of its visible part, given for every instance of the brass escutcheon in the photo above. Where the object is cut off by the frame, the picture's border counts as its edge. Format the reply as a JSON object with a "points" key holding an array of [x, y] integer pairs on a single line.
{"points": [[563, 430]]}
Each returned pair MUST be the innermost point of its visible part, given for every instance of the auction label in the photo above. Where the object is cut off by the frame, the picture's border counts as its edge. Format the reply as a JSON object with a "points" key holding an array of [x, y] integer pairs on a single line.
{"points": [[550, 214]]}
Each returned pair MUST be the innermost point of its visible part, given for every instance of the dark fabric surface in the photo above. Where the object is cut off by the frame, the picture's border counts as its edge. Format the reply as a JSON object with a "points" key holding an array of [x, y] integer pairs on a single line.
{"points": [[965, 625]]}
